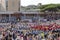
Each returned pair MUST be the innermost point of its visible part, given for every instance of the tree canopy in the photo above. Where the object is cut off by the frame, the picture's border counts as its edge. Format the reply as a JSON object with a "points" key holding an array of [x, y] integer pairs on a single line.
{"points": [[50, 7]]}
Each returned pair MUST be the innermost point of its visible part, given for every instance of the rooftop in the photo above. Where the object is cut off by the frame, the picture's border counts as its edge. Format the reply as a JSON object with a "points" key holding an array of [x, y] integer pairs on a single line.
{"points": [[28, 12]]}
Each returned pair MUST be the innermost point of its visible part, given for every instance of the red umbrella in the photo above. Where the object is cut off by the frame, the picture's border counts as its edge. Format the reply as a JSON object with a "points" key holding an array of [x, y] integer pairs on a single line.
{"points": [[38, 27], [46, 28], [58, 26], [42, 28], [50, 28], [54, 27]]}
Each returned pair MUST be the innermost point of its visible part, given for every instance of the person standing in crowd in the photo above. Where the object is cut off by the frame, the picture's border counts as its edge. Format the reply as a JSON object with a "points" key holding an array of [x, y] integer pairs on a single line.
{"points": [[34, 37], [18, 37], [42, 34], [21, 36], [25, 37], [30, 36], [14, 36], [6, 37], [3, 37], [58, 38], [50, 36], [10, 36], [39, 36]]}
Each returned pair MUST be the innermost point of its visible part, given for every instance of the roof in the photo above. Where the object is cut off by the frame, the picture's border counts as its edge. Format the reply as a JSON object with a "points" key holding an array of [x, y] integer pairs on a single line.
{"points": [[6, 12], [27, 12], [9, 12], [30, 12], [19, 12]]}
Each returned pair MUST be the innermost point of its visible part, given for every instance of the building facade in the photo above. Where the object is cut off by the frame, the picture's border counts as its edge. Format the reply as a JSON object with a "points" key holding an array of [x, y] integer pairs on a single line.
{"points": [[2, 5], [13, 5], [10, 5]]}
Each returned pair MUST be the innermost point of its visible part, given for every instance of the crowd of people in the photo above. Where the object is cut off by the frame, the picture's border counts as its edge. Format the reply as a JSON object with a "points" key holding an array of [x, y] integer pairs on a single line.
{"points": [[29, 34], [20, 35]]}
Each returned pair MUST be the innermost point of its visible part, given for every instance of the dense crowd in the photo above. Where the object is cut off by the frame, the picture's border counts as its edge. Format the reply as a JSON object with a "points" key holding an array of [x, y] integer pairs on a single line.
{"points": [[20, 35], [13, 33]]}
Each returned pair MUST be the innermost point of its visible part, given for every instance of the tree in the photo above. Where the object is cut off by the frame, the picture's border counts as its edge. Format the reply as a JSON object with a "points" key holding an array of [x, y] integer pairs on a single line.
{"points": [[50, 8]]}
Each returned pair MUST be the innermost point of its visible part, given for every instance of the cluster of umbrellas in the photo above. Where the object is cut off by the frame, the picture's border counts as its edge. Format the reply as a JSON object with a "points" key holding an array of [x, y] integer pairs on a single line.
{"points": [[46, 27]]}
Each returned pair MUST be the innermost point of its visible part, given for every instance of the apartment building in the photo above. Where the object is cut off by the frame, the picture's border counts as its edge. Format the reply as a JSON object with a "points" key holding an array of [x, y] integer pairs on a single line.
{"points": [[13, 5], [2, 5], [10, 5]]}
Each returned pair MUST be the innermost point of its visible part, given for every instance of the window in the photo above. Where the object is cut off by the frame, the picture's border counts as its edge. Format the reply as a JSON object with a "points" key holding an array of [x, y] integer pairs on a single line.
{"points": [[6, 5], [13, 4]]}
